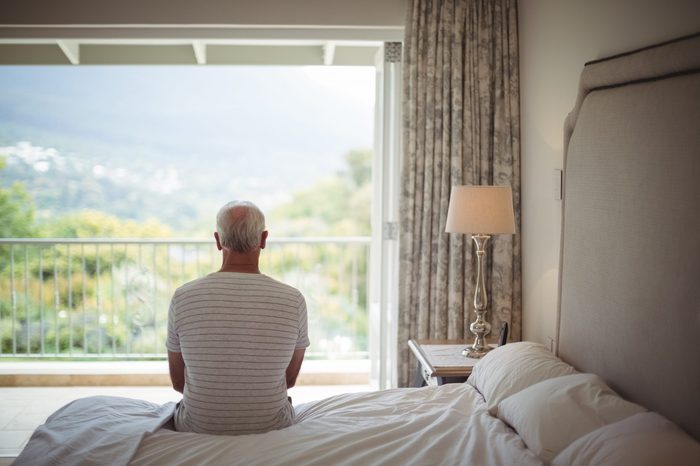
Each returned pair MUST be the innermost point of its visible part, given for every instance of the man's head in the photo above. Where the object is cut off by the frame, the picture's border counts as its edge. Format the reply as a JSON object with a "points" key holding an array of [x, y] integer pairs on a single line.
{"points": [[240, 226]]}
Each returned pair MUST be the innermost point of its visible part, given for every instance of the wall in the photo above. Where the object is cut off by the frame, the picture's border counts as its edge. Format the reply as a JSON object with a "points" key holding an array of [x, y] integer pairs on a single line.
{"points": [[556, 38]]}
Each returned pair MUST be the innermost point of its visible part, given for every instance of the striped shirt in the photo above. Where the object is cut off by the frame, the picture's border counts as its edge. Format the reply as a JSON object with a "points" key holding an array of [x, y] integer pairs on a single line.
{"points": [[236, 333]]}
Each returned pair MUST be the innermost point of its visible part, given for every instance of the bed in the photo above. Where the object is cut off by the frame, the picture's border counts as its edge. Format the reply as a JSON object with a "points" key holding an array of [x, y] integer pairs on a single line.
{"points": [[623, 388]]}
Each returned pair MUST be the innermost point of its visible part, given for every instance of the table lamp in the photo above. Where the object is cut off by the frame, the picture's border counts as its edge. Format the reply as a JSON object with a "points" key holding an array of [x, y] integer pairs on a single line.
{"points": [[482, 211]]}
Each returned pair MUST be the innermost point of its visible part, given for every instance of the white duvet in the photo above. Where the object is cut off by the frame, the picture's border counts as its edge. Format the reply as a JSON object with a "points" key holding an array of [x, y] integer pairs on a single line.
{"points": [[445, 425]]}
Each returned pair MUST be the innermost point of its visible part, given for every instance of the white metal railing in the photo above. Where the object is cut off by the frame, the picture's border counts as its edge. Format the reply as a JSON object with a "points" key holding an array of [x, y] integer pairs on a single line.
{"points": [[108, 298]]}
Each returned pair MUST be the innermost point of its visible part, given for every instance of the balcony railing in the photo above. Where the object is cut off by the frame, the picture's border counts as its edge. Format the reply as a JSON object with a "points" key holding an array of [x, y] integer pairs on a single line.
{"points": [[108, 298]]}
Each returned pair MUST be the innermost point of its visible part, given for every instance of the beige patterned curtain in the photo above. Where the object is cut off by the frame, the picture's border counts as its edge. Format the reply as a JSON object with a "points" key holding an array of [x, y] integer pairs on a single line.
{"points": [[461, 126]]}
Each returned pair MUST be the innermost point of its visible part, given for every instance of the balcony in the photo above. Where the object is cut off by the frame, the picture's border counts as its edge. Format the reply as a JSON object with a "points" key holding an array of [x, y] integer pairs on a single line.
{"points": [[104, 303]]}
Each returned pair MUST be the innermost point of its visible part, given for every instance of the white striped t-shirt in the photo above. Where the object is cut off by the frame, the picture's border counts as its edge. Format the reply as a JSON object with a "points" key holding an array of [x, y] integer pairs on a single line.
{"points": [[237, 333]]}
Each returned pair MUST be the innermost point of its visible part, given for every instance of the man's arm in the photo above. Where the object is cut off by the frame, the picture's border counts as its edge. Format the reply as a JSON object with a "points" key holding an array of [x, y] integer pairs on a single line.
{"points": [[294, 366], [177, 370]]}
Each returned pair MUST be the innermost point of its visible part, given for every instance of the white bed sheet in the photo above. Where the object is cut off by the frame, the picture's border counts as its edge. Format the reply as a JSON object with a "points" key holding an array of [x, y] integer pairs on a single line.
{"points": [[445, 425]]}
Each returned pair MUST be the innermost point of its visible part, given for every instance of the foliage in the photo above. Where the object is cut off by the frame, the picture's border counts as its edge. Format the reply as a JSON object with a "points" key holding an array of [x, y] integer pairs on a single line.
{"points": [[334, 206], [16, 210], [97, 224]]}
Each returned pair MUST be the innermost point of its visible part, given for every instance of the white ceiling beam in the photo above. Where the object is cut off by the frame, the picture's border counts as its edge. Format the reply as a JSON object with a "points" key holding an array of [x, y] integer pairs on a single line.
{"points": [[200, 52], [71, 49], [328, 53], [170, 31]]}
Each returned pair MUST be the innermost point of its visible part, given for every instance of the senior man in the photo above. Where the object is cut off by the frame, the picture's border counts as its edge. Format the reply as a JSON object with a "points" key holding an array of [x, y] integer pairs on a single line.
{"points": [[236, 337]]}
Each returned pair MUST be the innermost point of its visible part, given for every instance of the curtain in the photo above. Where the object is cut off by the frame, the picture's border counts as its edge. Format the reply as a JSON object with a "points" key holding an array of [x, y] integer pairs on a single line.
{"points": [[461, 126]]}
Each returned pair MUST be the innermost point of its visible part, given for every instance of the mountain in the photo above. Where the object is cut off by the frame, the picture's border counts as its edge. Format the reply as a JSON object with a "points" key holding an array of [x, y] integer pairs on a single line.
{"points": [[175, 142]]}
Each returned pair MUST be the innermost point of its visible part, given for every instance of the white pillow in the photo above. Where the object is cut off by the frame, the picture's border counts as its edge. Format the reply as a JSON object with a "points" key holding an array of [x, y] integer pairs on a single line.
{"points": [[645, 439], [550, 415], [510, 368]]}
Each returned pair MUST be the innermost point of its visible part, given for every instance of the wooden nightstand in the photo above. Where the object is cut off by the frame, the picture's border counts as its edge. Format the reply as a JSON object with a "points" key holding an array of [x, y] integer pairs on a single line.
{"points": [[441, 361]]}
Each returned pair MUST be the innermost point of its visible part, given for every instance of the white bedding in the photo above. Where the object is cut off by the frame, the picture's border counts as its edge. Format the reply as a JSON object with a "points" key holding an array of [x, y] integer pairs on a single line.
{"points": [[447, 425], [433, 425]]}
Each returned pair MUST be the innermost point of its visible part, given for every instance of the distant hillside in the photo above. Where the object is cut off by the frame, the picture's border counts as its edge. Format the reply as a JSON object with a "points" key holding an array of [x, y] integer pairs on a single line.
{"points": [[60, 185], [173, 143]]}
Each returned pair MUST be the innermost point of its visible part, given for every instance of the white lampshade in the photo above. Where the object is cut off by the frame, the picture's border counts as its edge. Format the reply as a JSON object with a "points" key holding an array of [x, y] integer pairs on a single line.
{"points": [[481, 210]]}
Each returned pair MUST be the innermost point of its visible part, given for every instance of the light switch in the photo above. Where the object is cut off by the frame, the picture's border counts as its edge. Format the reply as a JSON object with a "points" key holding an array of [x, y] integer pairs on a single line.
{"points": [[557, 184]]}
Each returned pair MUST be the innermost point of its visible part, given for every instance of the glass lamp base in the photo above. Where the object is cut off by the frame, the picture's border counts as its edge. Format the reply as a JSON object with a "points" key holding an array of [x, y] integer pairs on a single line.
{"points": [[472, 352]]}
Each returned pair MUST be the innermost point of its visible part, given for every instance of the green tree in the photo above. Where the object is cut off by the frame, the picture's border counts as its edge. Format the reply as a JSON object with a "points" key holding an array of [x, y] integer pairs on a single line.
{"points": [[338, 205], [16, 210], [360, 165], [97, 224]]}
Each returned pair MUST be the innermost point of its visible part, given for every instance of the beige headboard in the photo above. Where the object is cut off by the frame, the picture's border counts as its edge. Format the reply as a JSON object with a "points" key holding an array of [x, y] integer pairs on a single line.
{"points": [[630, 262]]}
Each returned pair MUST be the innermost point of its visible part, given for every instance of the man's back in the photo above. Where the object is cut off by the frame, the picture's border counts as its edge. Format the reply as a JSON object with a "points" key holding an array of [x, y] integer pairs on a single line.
{"points": [[237, 333]]}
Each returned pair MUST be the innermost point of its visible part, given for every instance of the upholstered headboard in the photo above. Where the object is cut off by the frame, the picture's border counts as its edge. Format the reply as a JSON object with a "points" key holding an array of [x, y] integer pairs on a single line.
{"points": [[629, 307]]}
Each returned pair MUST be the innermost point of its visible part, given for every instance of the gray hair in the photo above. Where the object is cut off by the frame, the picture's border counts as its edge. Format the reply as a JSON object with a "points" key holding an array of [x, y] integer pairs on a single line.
{"points": [[240, 225]]}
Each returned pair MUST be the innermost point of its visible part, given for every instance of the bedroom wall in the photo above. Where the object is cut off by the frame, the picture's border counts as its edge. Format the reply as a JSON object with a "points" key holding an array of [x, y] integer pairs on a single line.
{"points": [[556, 38]]}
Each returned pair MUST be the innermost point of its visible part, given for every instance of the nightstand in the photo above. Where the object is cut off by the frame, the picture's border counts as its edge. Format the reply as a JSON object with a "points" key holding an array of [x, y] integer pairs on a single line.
{"points": [[441, 361]]}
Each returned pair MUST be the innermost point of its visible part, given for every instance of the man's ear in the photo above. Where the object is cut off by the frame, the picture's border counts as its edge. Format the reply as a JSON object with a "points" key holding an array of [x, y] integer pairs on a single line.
{"points": [[218, 241], [263, 239]]}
